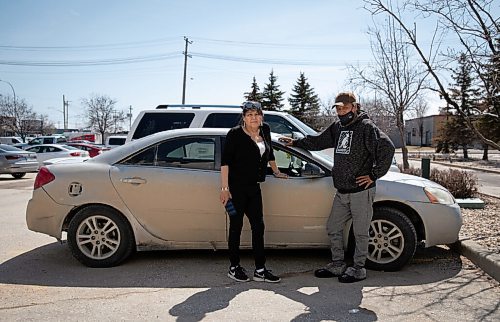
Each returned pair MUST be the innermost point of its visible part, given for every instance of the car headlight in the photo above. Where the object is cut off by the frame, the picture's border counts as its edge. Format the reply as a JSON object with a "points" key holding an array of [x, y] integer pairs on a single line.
{"points": [[437, 195]]}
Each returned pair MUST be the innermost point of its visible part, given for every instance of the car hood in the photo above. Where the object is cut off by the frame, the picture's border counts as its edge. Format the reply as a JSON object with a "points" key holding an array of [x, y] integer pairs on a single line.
{"points": [[410, 180]]}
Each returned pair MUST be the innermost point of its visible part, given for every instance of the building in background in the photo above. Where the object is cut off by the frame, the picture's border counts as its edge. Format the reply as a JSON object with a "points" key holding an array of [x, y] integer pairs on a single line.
{"points": [[424, 131]]}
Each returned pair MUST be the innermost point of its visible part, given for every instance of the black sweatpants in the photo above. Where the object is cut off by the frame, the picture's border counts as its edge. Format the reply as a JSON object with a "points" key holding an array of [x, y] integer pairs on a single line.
{"points": [[247, 200]]}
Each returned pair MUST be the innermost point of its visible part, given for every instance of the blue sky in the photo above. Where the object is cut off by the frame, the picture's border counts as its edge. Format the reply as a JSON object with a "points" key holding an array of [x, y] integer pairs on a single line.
{"points": [[318, 38]]}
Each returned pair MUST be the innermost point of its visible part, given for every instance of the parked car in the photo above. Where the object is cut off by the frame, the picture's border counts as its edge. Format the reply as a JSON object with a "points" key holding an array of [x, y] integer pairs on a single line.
{"points": [[51, 151], [50, 139], [93, 150], [162, 191], [169, 117], [16, 162], [10, 140], [113, 141]]}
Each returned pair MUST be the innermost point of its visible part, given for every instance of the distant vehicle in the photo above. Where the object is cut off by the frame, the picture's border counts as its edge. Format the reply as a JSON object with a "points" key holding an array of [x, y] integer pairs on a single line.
{"points": [[93, 150], [16, 162], [50, 139], [50, 151], [11, 140], [170, 117], [113, 141]]}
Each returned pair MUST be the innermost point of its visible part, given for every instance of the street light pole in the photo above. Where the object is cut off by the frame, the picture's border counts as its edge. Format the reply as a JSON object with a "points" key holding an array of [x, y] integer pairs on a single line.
{"points": [[13, 91]]}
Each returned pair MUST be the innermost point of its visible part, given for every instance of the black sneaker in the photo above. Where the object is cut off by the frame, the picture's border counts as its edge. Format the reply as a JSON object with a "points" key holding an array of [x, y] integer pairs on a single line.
{"points": [[353, 274], [265, 276], [238, 274]]}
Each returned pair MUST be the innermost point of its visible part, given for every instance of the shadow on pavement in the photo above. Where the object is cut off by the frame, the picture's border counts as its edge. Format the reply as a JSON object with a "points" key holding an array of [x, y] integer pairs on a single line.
{"points": [[325, 299]]}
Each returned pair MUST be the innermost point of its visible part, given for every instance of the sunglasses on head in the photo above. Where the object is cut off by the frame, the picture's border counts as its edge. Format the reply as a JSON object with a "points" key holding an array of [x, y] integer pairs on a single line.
{"points": [[251, 106]]}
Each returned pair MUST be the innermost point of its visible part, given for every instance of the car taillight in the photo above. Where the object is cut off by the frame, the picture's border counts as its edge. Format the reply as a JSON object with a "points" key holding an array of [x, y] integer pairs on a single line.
{"points": [[75, 154], [43, 177], [12, 157]]}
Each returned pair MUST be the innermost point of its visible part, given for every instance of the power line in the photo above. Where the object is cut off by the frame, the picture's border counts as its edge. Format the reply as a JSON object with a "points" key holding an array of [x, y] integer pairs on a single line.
{"points": [[269, 61], [112, 61], [97, 46]]}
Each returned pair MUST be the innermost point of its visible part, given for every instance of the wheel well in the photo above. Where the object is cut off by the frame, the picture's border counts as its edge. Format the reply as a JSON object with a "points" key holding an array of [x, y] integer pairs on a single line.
{"points": [[409, 212], [75, 210]]}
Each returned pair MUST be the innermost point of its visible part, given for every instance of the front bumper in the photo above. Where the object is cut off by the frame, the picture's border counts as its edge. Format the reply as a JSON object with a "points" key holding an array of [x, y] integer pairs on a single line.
{"points": [[442, 223], [44, 215]]}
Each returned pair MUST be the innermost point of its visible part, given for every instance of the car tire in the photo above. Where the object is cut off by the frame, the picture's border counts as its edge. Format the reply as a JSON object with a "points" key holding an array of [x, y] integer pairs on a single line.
{"points": [[393, 240], [100, 236], [18, 175]]}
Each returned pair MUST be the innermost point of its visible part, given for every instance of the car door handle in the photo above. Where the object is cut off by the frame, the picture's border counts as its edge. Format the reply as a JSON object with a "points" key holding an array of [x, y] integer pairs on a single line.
{"points": [[134, 180]]}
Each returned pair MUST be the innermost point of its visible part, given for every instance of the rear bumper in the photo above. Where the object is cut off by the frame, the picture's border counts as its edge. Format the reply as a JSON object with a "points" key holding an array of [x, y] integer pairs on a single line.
{"points": [[20, 168], [45, 216]]}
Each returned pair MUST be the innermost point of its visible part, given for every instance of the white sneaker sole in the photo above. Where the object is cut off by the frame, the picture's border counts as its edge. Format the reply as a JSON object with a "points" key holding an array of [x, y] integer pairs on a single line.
{"points": [[261, 279]]}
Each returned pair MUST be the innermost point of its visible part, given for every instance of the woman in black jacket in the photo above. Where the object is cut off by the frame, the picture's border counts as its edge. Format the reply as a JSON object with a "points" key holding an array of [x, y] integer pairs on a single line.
{"points": [[247, 151]]}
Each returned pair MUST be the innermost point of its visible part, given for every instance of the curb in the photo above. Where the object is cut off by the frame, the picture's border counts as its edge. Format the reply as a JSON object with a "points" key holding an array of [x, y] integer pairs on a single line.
{"points": [[466, 167], [485, 259]]}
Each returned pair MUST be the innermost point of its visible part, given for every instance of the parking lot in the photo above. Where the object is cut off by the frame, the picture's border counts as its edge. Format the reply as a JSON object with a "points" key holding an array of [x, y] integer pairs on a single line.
{"points": [[40, 280]]}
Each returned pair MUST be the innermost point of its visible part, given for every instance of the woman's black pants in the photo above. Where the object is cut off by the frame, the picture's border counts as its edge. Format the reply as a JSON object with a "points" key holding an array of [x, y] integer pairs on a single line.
{"points": [[247, 200]]}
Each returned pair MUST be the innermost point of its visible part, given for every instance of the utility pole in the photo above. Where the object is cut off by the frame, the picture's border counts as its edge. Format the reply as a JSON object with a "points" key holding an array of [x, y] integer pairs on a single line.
{"points": [[129, 115], [65, 112], [185, 68]]}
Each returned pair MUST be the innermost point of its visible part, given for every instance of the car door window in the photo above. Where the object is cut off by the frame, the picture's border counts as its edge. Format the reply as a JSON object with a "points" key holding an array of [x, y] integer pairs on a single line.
{"points": [[222, 120], [35, 149], [190, 153], [156, 122], [294, 165], [280, 125]]}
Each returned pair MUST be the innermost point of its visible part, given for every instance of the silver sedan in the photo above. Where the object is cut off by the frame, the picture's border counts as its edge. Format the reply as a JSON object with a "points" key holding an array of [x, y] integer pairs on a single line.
{"points": [[16, 162], [162, 191]]}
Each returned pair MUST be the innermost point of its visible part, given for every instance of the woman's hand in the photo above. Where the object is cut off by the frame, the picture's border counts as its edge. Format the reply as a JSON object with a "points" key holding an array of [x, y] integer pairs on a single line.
{"points": [[280, 175], [225, 195]]}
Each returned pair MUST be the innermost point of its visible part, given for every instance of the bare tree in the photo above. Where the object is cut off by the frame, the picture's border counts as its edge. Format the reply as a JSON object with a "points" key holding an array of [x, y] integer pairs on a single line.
{"points": [[101, 113], [392, 75], [17, 116], [478, 32]]}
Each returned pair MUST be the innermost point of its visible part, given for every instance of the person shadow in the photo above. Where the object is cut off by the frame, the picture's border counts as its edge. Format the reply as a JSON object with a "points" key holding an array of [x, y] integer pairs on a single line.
{"points": [[322, 299]]}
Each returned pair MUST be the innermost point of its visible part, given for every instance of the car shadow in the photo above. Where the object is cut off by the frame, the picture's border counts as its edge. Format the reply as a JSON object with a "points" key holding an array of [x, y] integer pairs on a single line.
{"points": [[53, 265]]}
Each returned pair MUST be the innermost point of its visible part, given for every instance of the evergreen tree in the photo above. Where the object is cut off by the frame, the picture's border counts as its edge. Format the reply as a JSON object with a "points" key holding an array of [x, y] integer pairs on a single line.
{"points": [[254, 94], [489, 122], [272, 97], [465, 95], [303, 101]]}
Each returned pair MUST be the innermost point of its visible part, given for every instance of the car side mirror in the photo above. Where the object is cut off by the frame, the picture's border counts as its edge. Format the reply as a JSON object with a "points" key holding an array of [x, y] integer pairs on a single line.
{"points": [[297, 135]]}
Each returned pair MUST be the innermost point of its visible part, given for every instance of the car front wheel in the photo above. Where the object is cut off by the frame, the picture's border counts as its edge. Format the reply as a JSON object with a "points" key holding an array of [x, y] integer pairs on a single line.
{"points": [[99, 236], [18, 175], [393, 240]]}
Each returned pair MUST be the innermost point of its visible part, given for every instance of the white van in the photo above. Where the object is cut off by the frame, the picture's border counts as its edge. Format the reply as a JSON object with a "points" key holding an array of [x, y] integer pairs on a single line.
{"points": [[10, 140], [169, 117]]}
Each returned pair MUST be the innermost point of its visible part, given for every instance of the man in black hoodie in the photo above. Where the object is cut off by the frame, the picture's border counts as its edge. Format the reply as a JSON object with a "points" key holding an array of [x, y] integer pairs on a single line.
{"points": [[362, 155]]}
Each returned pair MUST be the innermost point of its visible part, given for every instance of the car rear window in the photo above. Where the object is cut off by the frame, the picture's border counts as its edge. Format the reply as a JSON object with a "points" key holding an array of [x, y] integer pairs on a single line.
{"points": [[157, 122], [222, 120]]}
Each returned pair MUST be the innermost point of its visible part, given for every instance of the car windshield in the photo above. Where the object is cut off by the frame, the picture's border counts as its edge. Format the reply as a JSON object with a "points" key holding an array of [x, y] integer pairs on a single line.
{"points": [[5, 147], [304, 126]]}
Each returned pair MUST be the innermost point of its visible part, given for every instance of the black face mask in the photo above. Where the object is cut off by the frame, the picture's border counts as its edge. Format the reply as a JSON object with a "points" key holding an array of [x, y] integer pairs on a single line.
{"points": [[346, 118]]}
